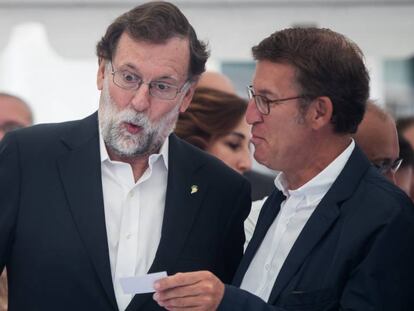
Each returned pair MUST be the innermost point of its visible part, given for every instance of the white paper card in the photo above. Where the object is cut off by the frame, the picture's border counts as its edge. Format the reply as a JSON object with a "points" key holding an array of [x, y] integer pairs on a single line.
{"points": [[141, 284]]}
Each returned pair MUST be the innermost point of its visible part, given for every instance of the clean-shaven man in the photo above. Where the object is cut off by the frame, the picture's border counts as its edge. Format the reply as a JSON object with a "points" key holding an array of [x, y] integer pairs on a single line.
{"points": [[335, 234]]}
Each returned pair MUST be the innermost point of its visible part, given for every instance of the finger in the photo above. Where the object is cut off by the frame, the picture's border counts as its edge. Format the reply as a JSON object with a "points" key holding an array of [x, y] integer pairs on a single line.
{"points": [[201, 302], [183, 291], [179, 279]]}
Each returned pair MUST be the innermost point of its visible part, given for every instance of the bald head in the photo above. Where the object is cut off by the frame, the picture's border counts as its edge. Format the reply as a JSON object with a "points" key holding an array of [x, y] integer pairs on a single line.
{"points": [[14, 113], [216, 81], [377, 137]]}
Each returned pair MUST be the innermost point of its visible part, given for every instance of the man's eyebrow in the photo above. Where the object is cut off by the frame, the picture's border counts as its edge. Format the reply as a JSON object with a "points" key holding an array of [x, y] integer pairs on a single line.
{"points": [[134, 68], [266, 93], [166, 78], [130, 66]]}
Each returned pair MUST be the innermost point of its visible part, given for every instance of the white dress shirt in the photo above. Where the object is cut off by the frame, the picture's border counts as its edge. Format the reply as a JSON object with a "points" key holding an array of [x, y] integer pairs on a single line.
{"points": [[251, 220], [294, 212], [133, 215]]}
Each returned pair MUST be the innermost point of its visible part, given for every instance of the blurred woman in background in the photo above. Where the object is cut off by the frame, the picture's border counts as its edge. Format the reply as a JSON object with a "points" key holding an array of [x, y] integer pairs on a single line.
{"points": [[215, 122]]}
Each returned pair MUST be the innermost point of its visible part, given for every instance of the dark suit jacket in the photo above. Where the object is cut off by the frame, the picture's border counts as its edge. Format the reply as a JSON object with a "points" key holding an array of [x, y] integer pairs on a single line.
{"points": [[356, 252], [52, 226]]}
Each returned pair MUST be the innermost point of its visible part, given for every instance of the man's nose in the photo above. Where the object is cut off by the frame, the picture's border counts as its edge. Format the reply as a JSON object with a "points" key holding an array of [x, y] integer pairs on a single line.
{"points": [[252, 113], [141, 98]]}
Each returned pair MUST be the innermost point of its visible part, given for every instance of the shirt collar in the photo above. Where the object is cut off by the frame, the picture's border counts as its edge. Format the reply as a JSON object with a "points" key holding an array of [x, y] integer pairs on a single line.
{"points": [[151, 160], [320, 184]]}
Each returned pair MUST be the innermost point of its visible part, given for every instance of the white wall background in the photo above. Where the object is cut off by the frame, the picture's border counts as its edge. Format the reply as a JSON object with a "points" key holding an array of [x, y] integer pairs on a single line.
{"points": [[47, 47]]}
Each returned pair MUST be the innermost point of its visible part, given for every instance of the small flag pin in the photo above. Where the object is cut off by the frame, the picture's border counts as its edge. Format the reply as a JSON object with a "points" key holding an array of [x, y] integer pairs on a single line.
{"points": [[194, 189]]}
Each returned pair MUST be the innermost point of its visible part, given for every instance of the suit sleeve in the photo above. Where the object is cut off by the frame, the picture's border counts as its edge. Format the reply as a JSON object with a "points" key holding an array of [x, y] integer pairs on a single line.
{"points": [[384, 280], [234, 232], [9, 195]]}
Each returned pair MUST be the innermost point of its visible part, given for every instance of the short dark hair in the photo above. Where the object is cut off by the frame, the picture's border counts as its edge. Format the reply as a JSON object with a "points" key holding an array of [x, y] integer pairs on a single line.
{"points": [[154, 22], [327, 64], [212, 114]]}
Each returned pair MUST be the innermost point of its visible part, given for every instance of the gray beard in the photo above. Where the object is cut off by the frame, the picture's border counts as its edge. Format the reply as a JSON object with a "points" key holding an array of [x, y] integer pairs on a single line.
{"points": [[124, 144]]}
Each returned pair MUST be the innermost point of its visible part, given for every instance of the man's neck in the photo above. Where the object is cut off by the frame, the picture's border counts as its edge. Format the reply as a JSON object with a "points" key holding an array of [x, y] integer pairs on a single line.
{"points": [[138, 163], [317, 158]]}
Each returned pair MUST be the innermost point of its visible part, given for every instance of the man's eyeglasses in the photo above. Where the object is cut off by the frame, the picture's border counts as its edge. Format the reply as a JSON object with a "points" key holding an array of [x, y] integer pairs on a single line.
{"points": [[263, 103], [130, 81], [387, 166]]}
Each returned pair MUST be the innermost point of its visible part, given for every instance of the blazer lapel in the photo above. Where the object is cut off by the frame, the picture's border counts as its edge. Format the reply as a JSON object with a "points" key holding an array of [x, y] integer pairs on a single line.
{"points": [[322, 219], [80, 171], [267, 215], [185, 192]]}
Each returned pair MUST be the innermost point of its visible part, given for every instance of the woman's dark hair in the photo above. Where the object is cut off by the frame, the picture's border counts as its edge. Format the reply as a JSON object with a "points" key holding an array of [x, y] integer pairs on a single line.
{"points": [[211, 114], [154, 22], [327, 64]]}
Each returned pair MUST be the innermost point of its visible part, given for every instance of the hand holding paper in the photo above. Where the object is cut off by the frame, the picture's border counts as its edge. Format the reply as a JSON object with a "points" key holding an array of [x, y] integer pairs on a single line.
{"points": [[200, 290]]}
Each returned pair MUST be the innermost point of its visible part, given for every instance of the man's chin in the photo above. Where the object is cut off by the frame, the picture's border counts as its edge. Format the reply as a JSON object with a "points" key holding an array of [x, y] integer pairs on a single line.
{"points": [[260, 157], [125, 152]]}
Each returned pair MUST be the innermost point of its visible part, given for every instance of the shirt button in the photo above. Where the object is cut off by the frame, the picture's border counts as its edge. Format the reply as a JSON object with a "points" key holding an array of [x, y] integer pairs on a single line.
{"points": [[131, 195], [129, 235], [267, 267]]}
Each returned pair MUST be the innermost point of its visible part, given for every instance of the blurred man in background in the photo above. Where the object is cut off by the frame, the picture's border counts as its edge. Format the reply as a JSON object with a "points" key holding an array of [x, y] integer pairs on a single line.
{"points": [[378, 139], [217, 81], [14, 114]]}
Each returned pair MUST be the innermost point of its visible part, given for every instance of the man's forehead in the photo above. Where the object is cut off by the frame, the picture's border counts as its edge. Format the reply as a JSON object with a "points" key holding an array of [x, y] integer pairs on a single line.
{"points": [[269, 75], [380, 135], [174, 52], [381, 126]]}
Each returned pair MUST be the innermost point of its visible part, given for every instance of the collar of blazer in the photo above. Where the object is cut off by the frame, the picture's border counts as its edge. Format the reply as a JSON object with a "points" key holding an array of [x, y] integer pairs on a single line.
{"points": [[80, 171]]}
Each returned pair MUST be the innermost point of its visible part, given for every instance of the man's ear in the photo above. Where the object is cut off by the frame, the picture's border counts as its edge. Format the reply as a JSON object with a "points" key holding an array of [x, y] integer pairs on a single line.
{"points": [[320, 112], [188, 95], [100, 77]]}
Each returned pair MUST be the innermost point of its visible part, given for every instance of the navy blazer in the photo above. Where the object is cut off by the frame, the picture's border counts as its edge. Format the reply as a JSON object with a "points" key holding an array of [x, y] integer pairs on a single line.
{"points": [[52, 226], [356, 252]]}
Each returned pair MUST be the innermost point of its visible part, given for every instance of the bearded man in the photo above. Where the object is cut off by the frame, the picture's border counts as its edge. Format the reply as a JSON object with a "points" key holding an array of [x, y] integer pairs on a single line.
{"points": [[85, 203]]}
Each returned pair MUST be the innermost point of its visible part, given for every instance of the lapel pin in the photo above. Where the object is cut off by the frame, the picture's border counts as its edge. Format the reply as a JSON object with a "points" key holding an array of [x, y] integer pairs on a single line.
{"points": [[194, 189]]}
